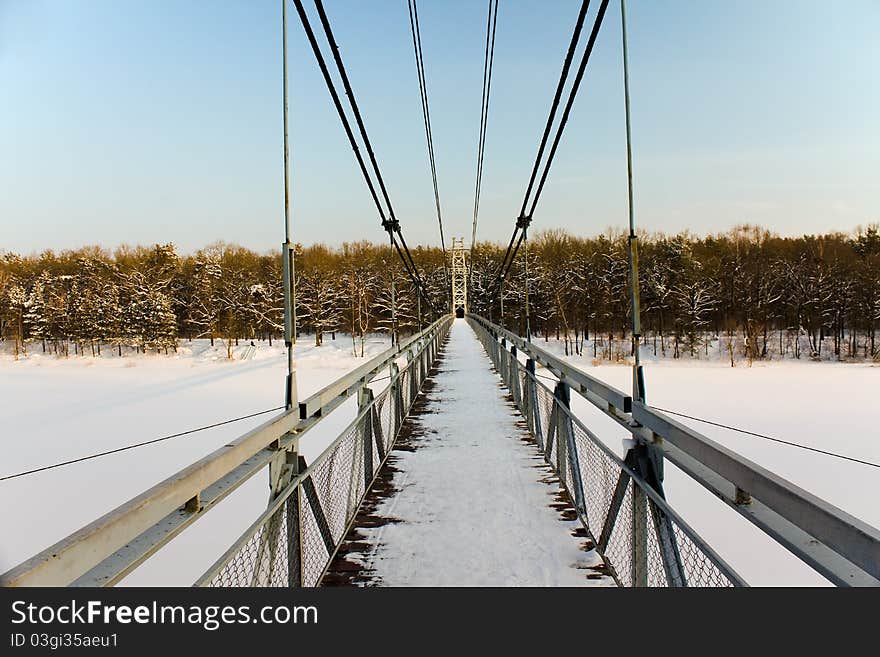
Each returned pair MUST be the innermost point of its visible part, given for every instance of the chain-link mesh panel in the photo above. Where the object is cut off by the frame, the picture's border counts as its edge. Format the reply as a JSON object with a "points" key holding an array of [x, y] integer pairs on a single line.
{"points": [[385, 412], [321, 504], [325, 503], [262, 559], [545, 414], [646, 542], [618, 550], [599, 475], [700, 569], [656, 571]]}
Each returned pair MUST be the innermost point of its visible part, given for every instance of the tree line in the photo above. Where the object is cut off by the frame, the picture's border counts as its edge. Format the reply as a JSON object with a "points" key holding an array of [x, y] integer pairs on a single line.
{"points": [[748, 292]]}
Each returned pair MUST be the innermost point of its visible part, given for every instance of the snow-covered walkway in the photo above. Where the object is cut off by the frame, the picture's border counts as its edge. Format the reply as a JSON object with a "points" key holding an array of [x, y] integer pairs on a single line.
{"points": [[470, 497]]}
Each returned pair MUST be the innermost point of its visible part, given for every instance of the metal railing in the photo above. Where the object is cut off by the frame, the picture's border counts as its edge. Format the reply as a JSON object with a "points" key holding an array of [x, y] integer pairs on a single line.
{"points": [[103, 552], [294, 541], [621, 501]]}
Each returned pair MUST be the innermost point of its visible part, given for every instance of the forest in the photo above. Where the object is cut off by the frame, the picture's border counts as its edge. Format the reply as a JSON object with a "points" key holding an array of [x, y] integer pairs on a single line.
{"points": [[747, 293]]}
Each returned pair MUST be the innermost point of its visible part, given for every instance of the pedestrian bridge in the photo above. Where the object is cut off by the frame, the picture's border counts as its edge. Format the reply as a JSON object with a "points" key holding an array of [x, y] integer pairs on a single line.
{"points": [[464, 468]]}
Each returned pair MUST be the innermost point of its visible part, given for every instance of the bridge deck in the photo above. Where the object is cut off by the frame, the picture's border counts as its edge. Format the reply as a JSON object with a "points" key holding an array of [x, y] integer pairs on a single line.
{"points": [[466, 498]]}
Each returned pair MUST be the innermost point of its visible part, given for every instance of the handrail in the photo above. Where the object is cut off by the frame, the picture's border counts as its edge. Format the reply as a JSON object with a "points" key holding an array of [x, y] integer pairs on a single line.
{"points": [[295, 540], [581, 381], [838, 545], [343, 385], [853, 539], [148, 521]]}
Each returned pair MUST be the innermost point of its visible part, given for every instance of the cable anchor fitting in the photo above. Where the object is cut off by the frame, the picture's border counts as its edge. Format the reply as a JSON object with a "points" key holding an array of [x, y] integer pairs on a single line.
{"points": [[391, 225]]}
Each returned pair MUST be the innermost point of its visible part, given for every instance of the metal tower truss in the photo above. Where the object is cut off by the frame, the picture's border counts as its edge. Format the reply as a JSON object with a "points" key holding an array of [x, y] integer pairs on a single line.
{"points": [[459, 277]]}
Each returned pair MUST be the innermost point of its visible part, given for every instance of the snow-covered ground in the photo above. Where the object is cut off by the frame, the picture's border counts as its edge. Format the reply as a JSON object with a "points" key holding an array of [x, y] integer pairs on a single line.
{"points": [[58, 409], [470, 509], [830, 406]]}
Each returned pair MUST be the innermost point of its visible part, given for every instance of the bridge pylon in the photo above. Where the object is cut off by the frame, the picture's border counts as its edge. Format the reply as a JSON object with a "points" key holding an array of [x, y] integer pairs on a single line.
{"points": [[459, 277]]}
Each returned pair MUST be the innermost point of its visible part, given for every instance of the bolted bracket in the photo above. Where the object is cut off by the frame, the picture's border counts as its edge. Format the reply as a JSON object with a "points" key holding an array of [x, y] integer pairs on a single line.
{"points": [[523, 221]]}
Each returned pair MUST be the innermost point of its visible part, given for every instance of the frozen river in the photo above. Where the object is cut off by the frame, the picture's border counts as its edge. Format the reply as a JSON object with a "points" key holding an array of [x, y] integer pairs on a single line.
{"points": [[55, 410]]}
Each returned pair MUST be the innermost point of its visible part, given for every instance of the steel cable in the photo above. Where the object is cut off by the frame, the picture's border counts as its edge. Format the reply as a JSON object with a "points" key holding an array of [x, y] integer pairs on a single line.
{"points": [[525, 216], [426, 115], [140, 444], [488, 65], [389, 220], [747, 432]]}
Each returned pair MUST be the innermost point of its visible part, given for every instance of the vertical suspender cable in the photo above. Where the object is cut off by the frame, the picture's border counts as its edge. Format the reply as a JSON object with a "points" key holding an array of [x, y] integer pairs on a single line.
{"points": [[638, 374], [585, 58], [426, 115], [501, 299], [526, 267], [287, 264], [488, 62], [393, 299]]}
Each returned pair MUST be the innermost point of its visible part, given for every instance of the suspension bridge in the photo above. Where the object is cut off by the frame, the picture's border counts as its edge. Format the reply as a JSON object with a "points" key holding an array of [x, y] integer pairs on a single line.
{"points": [[464, 460]]}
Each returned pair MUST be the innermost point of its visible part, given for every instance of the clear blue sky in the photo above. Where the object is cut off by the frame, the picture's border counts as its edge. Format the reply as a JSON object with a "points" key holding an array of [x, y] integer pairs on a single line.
{"points": [[138, 122]]}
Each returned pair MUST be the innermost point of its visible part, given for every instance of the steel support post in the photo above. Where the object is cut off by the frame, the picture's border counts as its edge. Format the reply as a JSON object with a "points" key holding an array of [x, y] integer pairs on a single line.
{"points": [[502, 355], [365, 401], [638, 376], [536, 423], [639, 548], [561, 443], [565, 436], [396, 395], [514, 378], [293, 508], [424, 362], [283, 468], [647, 462], [527, 396], [639, 500], [287, 260], [637, 458], [413, 378]]}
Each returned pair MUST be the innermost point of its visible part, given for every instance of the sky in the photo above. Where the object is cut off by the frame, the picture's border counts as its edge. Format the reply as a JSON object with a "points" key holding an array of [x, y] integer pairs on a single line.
{"points": [[139, 122]]}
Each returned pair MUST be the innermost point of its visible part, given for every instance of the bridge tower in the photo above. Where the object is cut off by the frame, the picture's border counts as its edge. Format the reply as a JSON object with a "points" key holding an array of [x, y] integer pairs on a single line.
{"points": [[459, 277]]}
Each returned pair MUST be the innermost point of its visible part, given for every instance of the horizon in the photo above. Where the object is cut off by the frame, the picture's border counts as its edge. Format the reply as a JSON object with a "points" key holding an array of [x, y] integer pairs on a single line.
{"points": [[616, 231]]}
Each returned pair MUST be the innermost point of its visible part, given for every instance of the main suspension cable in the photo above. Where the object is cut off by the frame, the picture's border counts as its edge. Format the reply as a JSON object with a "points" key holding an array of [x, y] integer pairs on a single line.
{"points": [[389, 220], [527, 210]]}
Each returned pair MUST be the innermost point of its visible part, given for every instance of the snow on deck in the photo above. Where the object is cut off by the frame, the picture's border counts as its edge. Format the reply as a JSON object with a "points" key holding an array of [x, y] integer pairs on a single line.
{"points": [[471, 497]]}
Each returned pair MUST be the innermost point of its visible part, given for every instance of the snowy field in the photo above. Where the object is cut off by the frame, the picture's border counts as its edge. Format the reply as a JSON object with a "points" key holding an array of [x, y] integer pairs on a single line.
{"points": [[59, 409], [830, 406], [56, 409]]}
